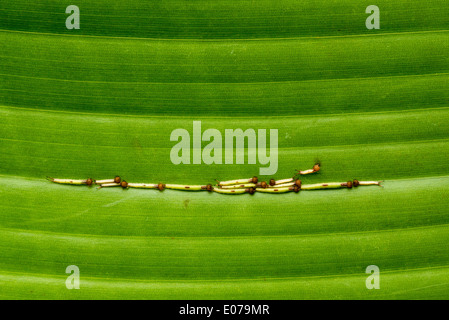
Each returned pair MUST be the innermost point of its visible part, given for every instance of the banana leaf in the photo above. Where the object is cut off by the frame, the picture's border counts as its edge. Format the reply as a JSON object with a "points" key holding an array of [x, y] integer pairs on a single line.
{"points": [[103, 101]]}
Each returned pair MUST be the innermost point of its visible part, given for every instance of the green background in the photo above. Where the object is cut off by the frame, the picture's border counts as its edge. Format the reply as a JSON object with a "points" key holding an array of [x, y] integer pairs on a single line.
{"points": [[103, 100]]}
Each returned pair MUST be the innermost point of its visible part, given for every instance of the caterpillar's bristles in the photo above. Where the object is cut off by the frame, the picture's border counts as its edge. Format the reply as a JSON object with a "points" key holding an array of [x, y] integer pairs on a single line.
{"points": [[230, 191], [240, 186]]}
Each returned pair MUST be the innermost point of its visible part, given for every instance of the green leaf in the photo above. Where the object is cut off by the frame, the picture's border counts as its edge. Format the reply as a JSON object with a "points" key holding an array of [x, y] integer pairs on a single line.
{"points": [[103, 100]]}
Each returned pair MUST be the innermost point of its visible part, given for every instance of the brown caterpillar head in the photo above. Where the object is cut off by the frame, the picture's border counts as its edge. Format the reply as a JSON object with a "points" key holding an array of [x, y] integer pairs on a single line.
{"points": [[251, 190], [298, 183], [254, 180], [89, 182], [263, 184], [349, 184], [272, 182], [161, 186], [124, 184], [296, 188], [316, 167], [117, 179], [209, 187], [355, 183]]}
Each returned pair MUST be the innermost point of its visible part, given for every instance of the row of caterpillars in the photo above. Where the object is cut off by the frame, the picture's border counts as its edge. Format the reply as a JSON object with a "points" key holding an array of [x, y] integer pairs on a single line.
{"points": [[238, 186]]}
